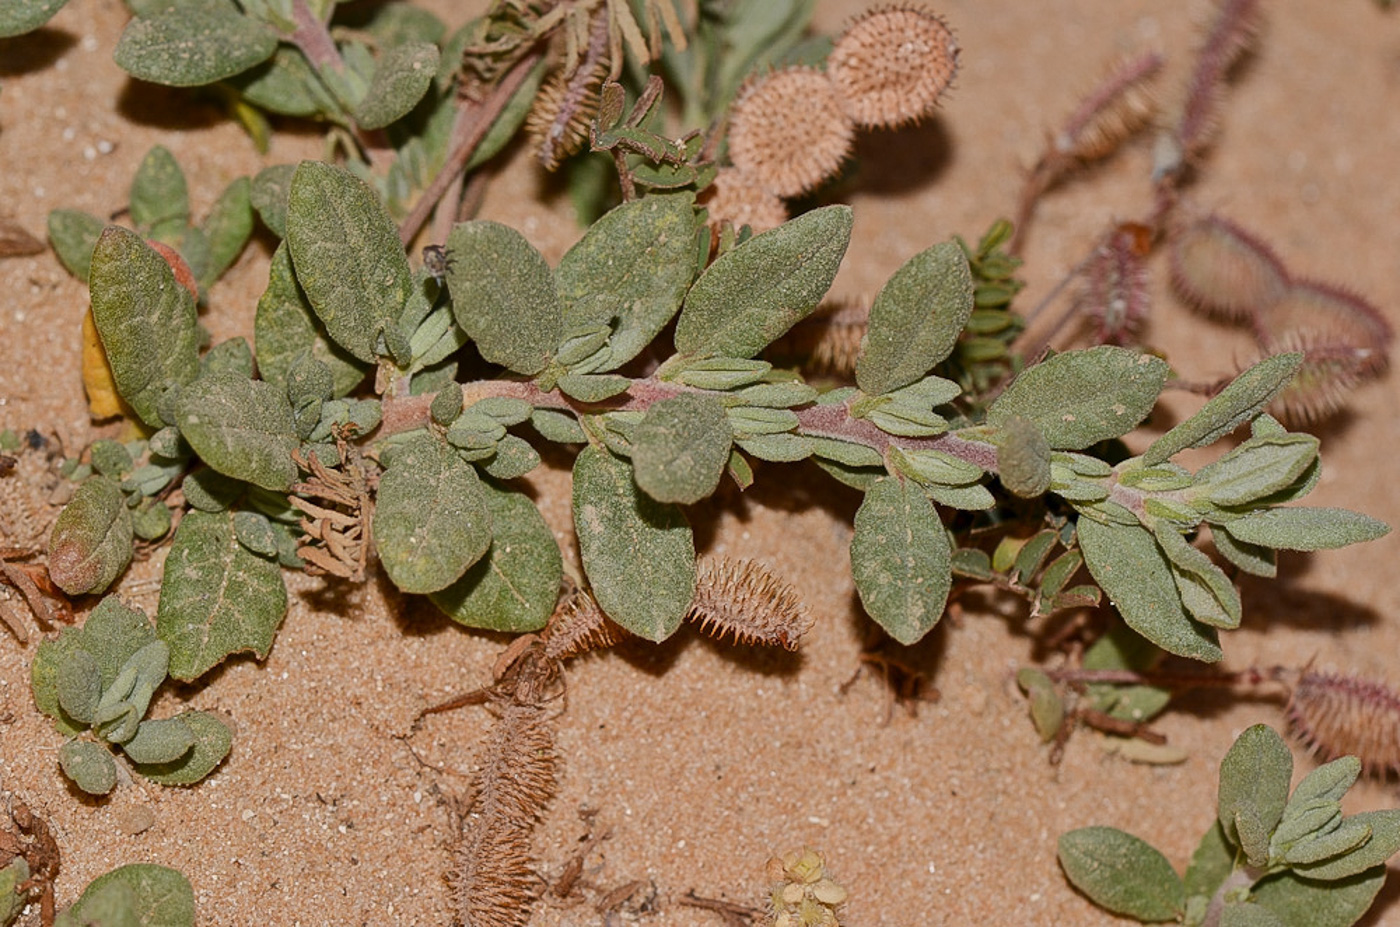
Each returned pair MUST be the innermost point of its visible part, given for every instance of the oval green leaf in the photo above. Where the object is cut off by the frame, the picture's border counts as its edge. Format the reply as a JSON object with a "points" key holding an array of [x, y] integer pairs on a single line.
{"points": [[514, 587], [630, 271], [503, 295], [146, 321], [1122, 873], [20, 16], [1246, 396], [401, 77], [751, 295], [681, 447], [286, 329], [639, 554], [212, 741], [431, 521], [91, 540], [1080, 398], [89, 765], [216, 598], [901, 559], [347, 256], [1137, 577], [1304, 528], [193, 45], [241, 428], [162, 897], [916, 319]]}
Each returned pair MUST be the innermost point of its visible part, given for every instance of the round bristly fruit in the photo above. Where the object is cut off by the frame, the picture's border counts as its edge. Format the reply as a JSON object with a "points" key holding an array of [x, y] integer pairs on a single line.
{"points": [[891, 65], [736, 198], [788, 132], [1319, 313], [1219, 267]]}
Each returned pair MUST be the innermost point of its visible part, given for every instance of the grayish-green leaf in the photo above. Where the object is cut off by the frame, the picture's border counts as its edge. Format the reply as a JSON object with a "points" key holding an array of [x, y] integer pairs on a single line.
{"points": [[514, 587], [20, 16], [514, 458], [227, 228], [1257, 468], [1304, 528], [431, 521], [1206, 591], [503, 295], [558, 426], [630, 272], [268, 195], [79, 685], [286, 330], [901, 559], [145, 319], [1211, 863], [1248, 914], [160, 741], [191, 46], [847, 453], [242, 428], [754, 293], [1245, 397], [1122, 873], [1130, 567], [346, 253], [217, 598], [1348, 835], [779, 448], [680, 448], [590, 388], [91, 541], [1329, 782], [1023, 457], [163, 897], [1254, 779], [89, 765], [1304, 902], [73, 235], [212, 741], [1047, 707], [13, 899], [401, 77], [1080, 398], [1384, 842], [160, 197], [254, 532], [1251, 558], [916, 319], [639, 554]]}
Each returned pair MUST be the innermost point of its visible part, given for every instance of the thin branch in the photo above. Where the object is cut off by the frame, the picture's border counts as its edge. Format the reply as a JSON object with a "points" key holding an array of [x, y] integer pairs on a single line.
{"points": [[474, 119]]}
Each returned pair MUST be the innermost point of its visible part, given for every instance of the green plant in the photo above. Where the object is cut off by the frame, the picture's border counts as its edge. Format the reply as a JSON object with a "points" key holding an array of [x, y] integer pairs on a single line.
{"points": [[140, 893], [1269, 858], [97, 683]]}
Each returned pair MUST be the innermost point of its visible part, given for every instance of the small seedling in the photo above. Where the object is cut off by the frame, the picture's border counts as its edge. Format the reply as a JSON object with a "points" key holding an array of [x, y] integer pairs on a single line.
{"points": [[1269, 858], [97, 683]]}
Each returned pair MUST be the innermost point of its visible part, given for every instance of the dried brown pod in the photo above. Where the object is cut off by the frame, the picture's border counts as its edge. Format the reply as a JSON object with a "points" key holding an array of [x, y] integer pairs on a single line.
{"points": [[826, 343], [15, 241], [736, 198], [1119, 105], [1219, 267], [788, 132], [1229, 30], [1327, 315], [492, 879], [743, 598], [892, 64], [1343, 715], [578, 626], [565, 105]]}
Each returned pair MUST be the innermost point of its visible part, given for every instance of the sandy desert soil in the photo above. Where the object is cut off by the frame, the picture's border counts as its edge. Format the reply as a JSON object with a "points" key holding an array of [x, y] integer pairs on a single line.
{"points": [[703, 760]]}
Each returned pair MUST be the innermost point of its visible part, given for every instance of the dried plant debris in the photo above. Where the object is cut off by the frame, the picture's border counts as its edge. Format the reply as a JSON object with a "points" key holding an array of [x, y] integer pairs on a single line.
{"points": [[1221, 268], [801, 892], [740, 200], [828, 342], [29, 854], [16, 242], [336, 535], [564, 108], [1114, 294]]}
